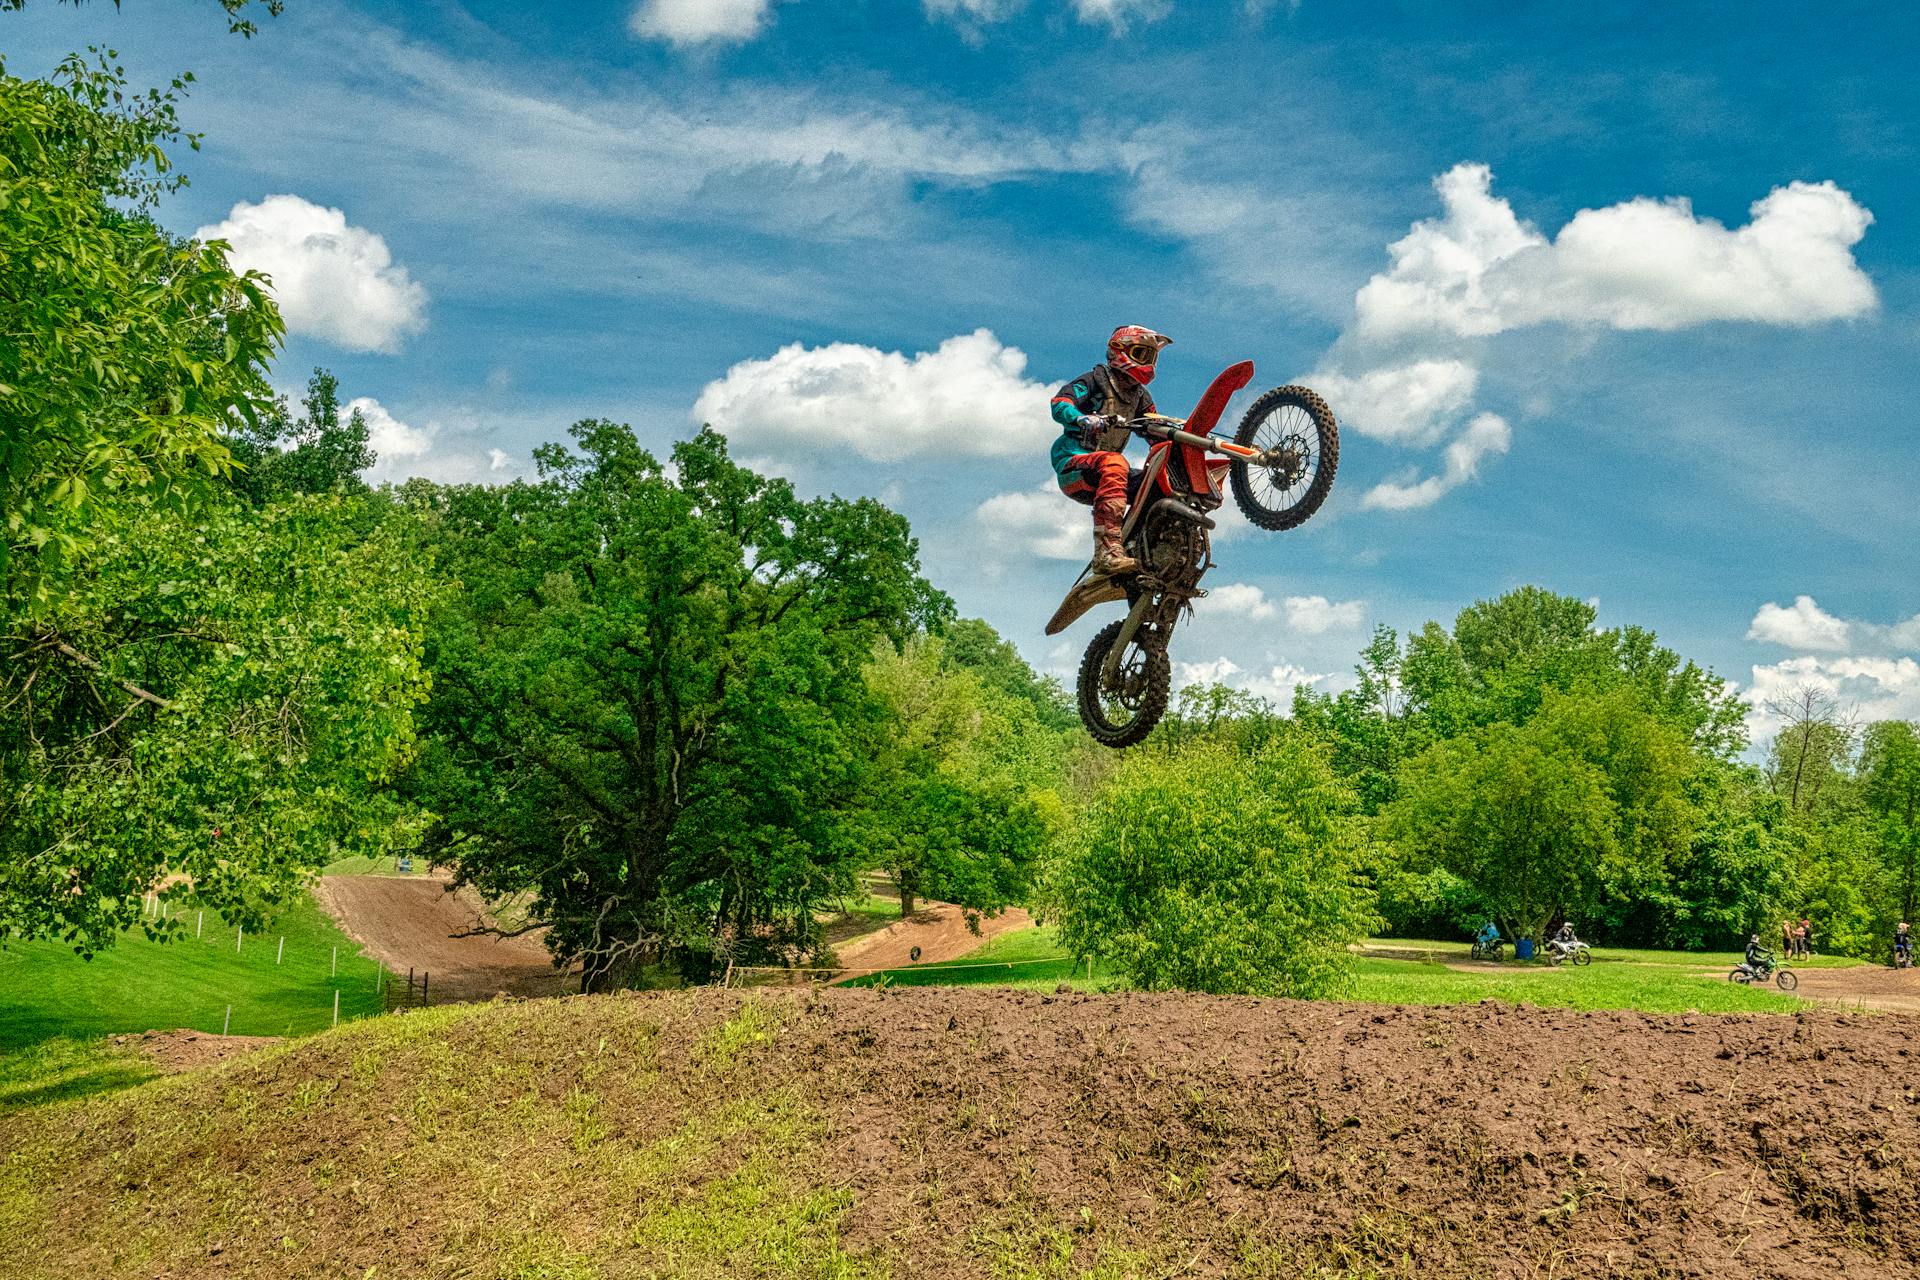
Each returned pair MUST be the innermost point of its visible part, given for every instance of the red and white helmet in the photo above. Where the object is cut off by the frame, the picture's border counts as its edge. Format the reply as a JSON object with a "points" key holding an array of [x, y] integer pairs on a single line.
{"points": [[1134, 350]]}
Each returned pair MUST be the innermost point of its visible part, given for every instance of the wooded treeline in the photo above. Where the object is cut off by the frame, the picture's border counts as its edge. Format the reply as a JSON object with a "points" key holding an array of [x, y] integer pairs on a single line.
{"points": [[679, 708]]}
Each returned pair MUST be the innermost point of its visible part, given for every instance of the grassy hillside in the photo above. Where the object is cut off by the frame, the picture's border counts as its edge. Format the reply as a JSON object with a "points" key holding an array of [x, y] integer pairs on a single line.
{"points": [[138, 985], [951, 1133]]}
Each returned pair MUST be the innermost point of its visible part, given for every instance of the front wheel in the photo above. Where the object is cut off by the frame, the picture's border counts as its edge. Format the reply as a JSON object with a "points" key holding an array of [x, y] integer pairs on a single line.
{"points": [[1787, 979], [1123, 715], [1296, 430], [1583, 957]]}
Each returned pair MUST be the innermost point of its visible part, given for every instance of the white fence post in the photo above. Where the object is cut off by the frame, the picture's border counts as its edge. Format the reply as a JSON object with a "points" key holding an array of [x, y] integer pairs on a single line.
{"points": [[336, 1006], [228, 1024], [336, 961], [281, 953], [200, 924], [237, 931]]}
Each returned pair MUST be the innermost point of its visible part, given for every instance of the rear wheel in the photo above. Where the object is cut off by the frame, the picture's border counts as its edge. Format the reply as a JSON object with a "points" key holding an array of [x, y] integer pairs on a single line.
{"points": [[1787, 979], [1740, 976], [1123, 715], [1295, 427]]}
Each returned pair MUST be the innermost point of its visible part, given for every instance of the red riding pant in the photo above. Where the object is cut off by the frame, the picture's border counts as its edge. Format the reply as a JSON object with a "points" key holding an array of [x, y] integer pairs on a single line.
{"points": [[1102, 481]]}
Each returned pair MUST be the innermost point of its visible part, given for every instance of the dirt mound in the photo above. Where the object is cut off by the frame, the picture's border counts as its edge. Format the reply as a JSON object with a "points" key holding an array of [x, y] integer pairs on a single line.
{"points": [[940, 931], [972, 1133], [183, 1050], [416, 923]]}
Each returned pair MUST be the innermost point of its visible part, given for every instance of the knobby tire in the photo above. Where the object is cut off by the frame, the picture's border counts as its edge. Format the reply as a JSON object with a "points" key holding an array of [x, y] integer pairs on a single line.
{"points": [[1153, 703], [1326, 445]]}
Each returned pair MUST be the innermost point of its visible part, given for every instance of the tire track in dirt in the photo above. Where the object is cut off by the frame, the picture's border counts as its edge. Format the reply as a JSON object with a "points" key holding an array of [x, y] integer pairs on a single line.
{"points": [[415, 924]]}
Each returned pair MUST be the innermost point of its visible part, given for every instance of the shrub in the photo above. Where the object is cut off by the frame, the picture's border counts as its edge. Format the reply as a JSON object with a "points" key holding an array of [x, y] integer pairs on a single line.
{"points": [[1207, 870]]}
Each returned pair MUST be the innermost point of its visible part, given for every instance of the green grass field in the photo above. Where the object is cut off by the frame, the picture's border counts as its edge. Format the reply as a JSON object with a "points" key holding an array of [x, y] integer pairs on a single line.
{"points": [[1721, 960], [47, 991], [1651, 981], [1028, 958]]}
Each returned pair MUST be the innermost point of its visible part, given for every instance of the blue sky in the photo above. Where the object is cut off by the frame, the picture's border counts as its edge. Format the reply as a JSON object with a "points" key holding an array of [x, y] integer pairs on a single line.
{"points": [[1621, 300]]}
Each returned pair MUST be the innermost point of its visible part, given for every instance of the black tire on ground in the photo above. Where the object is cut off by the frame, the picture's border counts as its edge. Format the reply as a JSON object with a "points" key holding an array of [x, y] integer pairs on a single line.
{"points": [[1148, 675], [1740, 976], [1787, 979], [1286, 415], [1583, 957]]}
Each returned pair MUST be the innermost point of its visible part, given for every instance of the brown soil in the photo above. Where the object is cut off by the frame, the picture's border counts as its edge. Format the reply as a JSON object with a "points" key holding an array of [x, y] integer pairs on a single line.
{"points": [[976, 1133], [415, 923], [184, 1050], [940, 931], [1862, 986]]}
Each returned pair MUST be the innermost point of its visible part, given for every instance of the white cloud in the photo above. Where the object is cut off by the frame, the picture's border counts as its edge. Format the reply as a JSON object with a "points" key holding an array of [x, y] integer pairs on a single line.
{"points": [[1314, 615], [1641, 264], [1410, 403], [1804, 625], [691, 22], [333, 281], [1309, 615], [446, 451], [1867, 688], [970, 15], [1242, 599], [1117, 14], [967, 397], [1276, 685], [1042, 522], [1485, 435]]}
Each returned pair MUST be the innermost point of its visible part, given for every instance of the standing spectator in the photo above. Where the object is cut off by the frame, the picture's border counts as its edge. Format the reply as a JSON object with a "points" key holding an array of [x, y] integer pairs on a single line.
{"points": [[1786, 937], [1800, 940], [1806, 938]]}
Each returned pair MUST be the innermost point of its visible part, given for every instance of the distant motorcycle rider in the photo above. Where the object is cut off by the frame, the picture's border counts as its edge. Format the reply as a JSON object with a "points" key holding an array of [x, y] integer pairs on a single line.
{"points": [[1903, 941], [1088, 458], [1754, 952]]}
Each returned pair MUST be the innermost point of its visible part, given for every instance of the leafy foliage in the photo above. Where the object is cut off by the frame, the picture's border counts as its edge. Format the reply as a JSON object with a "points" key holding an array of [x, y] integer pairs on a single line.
{"points": [[318, 453], [1201, 869], [648, 703], [219, 699], [128, 354], [952, 806]]}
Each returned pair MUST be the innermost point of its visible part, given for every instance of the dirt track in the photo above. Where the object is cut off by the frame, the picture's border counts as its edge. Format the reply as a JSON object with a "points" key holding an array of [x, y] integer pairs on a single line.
{"points": [[939, 930], [411, 924]]}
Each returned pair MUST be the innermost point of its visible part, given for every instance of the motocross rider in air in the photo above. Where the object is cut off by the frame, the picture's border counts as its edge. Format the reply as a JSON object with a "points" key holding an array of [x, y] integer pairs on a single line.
{"points": [[1088, 461]]}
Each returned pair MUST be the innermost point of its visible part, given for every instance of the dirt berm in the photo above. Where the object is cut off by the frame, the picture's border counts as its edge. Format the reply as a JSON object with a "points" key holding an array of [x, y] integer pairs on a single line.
{"points": [[937, 1133]]}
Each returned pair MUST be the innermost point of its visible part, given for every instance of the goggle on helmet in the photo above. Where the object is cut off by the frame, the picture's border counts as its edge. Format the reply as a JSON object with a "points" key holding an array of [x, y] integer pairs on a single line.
{"points": [[1134, 350]]}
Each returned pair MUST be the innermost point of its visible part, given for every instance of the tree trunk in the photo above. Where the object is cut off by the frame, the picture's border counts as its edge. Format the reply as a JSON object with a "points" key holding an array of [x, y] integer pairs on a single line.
{"points": [[906, 893]]}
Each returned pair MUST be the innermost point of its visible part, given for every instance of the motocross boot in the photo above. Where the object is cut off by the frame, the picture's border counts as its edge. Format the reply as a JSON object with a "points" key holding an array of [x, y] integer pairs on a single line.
{"points": [[1109, 554]]}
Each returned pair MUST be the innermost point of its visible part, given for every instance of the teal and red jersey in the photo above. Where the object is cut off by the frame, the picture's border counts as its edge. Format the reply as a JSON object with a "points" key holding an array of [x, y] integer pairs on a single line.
{"points": [[1092, 392]]}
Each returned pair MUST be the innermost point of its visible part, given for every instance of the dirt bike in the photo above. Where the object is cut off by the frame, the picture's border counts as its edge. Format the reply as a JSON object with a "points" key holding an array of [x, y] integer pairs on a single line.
{"points": [[1577, 951], [1279, 465], [1763, 968], [1902, 957], [1492, 950]]}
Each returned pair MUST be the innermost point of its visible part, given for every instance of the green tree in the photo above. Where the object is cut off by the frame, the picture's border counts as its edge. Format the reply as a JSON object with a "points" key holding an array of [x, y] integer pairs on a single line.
{"points": [[318, 453], [1890, 778], [648, 705], [128, 355], [218, 699], [1205, 870], [955, 807], [1810, 759], [972, 645], [1581, 804]]}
